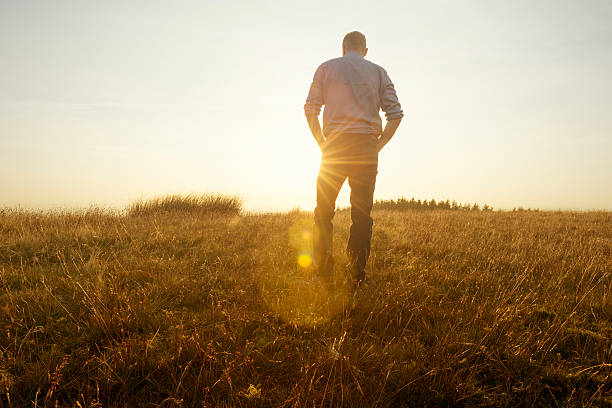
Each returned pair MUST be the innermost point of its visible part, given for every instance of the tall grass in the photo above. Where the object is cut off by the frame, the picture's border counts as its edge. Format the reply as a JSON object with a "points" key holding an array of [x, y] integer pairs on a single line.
{"points": [[186, 203], [464, 308]]}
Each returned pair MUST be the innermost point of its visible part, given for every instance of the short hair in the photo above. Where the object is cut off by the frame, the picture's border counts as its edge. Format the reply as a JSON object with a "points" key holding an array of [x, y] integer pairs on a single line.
{"points": [[354, 41]]}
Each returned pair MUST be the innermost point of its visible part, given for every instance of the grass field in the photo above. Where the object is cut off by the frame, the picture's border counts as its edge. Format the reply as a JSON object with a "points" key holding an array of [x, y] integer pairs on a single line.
{"points": [[194, 303]]}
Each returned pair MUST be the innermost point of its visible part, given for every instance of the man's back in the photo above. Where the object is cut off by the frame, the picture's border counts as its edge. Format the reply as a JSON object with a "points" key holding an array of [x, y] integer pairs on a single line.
{"points": [[353, 91]]}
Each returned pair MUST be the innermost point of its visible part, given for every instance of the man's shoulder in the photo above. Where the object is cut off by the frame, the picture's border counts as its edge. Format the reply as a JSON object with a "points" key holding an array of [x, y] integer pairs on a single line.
{"points": [[340, 60], [332, 61], [374, 65]]}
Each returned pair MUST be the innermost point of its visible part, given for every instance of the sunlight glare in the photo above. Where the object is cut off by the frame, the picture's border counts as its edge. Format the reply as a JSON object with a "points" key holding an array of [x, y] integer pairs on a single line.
{"points": [[304, 260]]}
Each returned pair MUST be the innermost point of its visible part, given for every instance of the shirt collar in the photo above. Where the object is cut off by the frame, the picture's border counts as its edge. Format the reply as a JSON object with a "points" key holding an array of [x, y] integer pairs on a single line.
{"points": [[353, 54]]}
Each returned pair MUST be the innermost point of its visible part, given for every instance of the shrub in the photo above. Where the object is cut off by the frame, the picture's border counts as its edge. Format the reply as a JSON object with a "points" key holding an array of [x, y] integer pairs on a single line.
{"points": [[189, 203]]}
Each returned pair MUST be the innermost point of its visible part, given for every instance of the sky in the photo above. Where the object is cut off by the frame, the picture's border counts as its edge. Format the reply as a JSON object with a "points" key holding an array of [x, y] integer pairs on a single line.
{"points": [[102, 103]]}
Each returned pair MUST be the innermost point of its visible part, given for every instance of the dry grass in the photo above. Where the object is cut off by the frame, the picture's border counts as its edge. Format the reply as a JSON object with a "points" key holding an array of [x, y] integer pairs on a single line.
{"points": [[206, 308], [186, 203]]}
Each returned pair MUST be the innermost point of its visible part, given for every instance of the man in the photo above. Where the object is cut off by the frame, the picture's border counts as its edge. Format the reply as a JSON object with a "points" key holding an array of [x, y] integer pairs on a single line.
{"points": [[353, 91]]}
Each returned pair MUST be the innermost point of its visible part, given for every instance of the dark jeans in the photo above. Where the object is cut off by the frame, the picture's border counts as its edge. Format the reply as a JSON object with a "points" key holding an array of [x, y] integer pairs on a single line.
{"points": [[354, 157]]}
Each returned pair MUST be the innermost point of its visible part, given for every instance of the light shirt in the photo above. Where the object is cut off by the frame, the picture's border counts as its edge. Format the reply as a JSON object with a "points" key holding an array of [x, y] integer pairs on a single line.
{"points": [[353, 91]]}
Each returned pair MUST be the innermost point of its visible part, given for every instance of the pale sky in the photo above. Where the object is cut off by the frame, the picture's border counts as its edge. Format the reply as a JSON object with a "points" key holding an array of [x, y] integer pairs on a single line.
{"points": [[507, 103]]}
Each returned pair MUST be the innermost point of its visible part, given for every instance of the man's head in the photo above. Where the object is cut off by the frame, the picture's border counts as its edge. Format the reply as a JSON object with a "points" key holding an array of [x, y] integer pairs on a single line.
{"points": [[354, 41]]}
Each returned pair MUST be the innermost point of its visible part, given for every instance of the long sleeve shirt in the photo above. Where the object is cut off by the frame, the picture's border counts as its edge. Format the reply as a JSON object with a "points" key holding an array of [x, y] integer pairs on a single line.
{"points": [[353, 91]]}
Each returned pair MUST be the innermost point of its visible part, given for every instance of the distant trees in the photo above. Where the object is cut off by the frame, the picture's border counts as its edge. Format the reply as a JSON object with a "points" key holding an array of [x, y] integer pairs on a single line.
{"points": [[424, 205], [413, 204], [521, 209]]}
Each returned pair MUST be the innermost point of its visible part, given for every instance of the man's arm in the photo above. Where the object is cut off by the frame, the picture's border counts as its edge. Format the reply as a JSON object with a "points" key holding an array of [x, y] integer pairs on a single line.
{"points": [[315, 128], [388, 133], [313, 104], [392, 108]]}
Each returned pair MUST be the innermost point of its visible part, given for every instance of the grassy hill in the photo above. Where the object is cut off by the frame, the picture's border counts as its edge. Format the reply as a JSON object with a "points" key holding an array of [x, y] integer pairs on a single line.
{"points": [[187, 301]]}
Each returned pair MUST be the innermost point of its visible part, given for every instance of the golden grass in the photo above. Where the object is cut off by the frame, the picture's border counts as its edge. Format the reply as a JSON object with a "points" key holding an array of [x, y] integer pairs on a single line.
{"points": [[208, 308], [184, 203]]}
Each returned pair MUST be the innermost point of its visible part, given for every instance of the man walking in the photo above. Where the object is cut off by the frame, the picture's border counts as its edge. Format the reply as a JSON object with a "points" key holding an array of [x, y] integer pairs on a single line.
{"points": [[353, 91]]}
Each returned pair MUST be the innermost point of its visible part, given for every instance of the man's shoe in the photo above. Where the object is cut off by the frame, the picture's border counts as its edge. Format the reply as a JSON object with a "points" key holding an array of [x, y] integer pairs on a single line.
{"points": [[325, 274], [354, 274], [363, 284], [352, 284]]}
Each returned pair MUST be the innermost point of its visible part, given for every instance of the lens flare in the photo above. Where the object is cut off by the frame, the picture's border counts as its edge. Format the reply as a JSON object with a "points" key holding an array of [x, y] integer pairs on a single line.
{"points": [[304, 260], [289, 286]]}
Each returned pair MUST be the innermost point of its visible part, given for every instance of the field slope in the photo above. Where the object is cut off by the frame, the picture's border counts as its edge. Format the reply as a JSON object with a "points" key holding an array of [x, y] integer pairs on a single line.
{"points": [[175, 306]]}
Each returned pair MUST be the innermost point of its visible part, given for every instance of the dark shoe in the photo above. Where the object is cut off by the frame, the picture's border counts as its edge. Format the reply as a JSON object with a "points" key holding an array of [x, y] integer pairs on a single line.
{"points": [[355, 271], [354, 276], [354, 292], [363, 284], [325, 273]]}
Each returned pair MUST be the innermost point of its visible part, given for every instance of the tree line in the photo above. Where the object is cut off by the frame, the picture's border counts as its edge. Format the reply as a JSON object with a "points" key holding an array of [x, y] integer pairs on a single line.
{"points": [[412, 204]]}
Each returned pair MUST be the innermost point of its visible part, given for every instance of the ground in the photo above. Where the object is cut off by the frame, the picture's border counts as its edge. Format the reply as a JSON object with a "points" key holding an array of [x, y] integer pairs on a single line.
{"points": [[188, 307]]}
